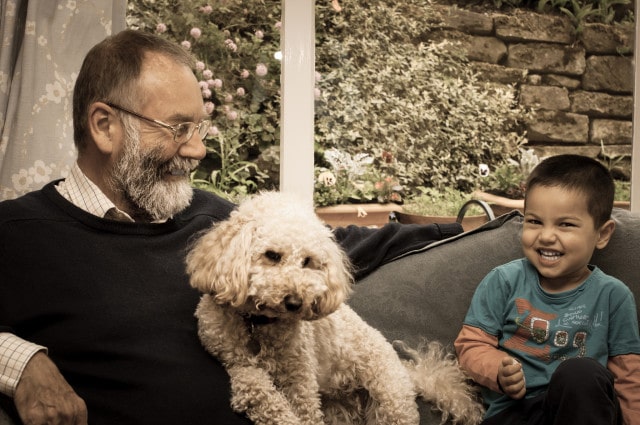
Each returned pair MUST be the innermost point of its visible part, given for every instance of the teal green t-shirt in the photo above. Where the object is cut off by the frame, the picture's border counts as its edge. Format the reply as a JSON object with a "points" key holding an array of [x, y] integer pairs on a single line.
{"points": [[598, 319]]}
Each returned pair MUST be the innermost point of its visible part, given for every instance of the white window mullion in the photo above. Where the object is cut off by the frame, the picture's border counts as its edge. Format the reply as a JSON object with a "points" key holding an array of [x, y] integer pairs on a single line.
{"points": [[297, 110]]}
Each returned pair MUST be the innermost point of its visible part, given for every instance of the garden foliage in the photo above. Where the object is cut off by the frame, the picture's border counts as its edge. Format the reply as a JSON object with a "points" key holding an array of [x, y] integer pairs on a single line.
{"points": [[580, 11], [383, 89], [386, 89]]}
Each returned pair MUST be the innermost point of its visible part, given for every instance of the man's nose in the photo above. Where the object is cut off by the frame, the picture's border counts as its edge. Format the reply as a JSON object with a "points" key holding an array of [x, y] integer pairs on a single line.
{"points": [[194, 148]]}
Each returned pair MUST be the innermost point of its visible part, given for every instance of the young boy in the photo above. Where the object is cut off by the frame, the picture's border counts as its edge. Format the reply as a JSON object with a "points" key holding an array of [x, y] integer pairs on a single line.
{"points": [[550, 338]]}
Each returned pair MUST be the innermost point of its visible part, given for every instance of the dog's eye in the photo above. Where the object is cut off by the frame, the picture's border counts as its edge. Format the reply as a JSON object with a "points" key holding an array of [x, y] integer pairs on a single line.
{"points": [[273, 256], [306, 261]]}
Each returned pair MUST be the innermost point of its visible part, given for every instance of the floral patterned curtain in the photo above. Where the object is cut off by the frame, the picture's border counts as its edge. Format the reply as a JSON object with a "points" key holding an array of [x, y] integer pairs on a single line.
{"points": [[42, 47]]}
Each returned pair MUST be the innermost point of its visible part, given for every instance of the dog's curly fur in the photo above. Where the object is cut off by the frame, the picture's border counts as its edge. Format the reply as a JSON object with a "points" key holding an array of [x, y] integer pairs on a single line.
{"points": [[273, 312]]}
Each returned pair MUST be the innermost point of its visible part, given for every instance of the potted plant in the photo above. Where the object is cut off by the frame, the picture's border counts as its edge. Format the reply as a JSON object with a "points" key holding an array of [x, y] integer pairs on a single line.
{"points": [[354, 190], [444, 206], [504, 189]]}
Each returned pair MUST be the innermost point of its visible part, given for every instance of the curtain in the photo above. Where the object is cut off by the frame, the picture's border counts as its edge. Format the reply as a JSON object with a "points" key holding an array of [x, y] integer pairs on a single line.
{"points": [[42, 45]]}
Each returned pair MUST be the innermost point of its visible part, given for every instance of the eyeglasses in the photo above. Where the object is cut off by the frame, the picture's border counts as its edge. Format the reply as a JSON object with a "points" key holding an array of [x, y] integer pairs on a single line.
{"points": [[182, 132]]}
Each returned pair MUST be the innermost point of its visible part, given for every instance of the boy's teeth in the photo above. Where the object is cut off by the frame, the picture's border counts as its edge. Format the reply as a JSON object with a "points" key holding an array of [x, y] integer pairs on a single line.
{"points": [[550, 254]]}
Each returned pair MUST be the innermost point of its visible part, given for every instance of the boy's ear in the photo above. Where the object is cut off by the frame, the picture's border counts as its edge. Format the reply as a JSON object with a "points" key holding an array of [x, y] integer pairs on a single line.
{"points": [[604, 233]]}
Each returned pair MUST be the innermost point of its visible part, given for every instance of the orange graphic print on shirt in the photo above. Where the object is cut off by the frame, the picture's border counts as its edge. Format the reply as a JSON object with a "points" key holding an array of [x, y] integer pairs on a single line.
{"points": [[535, 327]]}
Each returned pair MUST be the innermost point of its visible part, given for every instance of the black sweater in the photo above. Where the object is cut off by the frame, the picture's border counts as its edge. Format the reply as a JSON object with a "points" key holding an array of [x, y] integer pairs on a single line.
{"points": [[112, 303]]}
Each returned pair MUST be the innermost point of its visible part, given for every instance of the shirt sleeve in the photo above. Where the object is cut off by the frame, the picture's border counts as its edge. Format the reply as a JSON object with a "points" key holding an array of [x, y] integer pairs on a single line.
{"points": [[624, 336], [370, 248], [487, 308], [626, 372], [479, 356], [15, 353]]}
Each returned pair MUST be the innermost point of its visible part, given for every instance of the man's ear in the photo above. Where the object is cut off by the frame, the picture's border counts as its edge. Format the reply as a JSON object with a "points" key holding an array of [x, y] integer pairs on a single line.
{"points": [[604, 233], [103, 126]]}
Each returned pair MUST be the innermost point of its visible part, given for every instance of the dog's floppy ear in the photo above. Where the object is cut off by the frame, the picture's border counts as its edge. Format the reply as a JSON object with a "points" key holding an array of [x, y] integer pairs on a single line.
{"points": [[218, 262], [339, 277]]}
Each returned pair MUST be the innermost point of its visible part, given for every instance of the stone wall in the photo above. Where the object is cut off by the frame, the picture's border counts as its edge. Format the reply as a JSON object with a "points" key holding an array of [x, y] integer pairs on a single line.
{"points": [[580, 87]]}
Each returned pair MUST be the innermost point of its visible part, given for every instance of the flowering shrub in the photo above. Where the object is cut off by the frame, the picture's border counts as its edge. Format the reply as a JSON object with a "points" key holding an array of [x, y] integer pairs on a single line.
{"points": [[353, 179], [235, 43]]}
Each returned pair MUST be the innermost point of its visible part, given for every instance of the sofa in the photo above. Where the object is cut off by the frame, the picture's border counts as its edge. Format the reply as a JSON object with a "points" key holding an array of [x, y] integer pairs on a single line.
{"points": [[426, 294]]}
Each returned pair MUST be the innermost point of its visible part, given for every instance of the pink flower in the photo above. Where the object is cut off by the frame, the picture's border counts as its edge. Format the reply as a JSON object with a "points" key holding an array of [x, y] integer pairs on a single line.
{"points": [[207, 74], [232, 115], [213, 131], [259, 34], [231, 45], [209, 107], [195, 32], [203, 85], [244, 74], [278, 25], [318, 76], [211, 82], [206, 94], [228, 98], [217, 83], [206, 9], [200, 65], [160, 28], [317, 94], [186, 45], [240, 92], [261, 70]]}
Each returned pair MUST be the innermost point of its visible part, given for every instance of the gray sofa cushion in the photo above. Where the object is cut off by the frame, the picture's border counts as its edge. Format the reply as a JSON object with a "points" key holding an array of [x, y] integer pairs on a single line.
{"points": [[426, 294]]}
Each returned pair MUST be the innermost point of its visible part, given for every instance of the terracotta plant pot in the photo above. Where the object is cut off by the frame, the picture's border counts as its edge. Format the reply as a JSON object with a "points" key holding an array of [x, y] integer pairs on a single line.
{"points": [[468, 222], [358, 214]]}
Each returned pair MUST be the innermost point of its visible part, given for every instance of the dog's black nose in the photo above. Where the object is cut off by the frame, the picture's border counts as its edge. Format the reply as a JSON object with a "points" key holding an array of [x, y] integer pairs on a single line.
{"points": [[292, 302]]}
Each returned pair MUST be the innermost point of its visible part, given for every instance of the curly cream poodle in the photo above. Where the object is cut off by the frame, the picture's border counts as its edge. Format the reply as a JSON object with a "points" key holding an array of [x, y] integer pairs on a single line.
{"points": [[273, 312]]}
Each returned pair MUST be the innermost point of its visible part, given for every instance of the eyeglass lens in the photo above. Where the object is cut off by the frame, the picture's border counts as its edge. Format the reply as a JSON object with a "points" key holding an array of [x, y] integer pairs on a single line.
{"points": [[184, 131]]}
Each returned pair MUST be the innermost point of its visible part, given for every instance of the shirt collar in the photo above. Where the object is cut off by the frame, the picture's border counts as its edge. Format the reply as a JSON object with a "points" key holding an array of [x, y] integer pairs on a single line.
{"points": [[83, 193]]}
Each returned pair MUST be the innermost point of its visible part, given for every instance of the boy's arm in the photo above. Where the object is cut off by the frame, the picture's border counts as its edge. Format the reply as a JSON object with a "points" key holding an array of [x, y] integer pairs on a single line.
{"points": [[479, 356], [626, 372]]}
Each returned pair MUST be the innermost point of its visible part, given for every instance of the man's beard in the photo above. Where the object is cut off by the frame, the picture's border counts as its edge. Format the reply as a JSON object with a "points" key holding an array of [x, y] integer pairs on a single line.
{"points": [[140, 177]]}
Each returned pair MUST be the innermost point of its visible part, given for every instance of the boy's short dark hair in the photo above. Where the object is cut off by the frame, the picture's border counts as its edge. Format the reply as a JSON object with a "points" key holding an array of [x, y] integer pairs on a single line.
{"points": [[580, 173]]}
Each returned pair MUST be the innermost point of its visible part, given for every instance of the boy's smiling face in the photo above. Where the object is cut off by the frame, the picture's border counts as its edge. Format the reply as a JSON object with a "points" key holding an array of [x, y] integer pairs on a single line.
{"points": [[559, 236]]}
